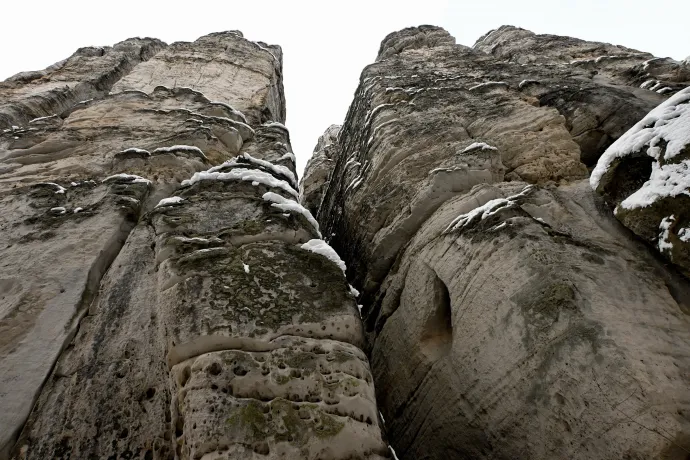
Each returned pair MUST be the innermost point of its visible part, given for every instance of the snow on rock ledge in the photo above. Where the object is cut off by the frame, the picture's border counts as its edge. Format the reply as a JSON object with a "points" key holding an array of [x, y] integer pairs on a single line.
{"points": [[250, 175], [322, 248], [292, 206], [646, 175]]}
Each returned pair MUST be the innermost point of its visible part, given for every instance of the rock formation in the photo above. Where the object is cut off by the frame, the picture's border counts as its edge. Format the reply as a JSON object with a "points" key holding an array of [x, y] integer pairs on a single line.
{"points": [[515, 215], [508, 313], [164, 295]]}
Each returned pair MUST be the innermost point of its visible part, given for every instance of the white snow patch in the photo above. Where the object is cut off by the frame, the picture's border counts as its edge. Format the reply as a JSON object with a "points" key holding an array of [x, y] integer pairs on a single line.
{"points": [[263, 48], [59, 188], [665, 181], [524, 83], [136, 150], [489, 84], [196, 239], [669, 122], [180, 148], [288, 156], [375, 111], [76, 210], [285, 204], [353, 291], [169, 201], [246, 268], [42, 118], [275, 124], [499, 226], [59, 210], [645, 64], [354, 184], [664, 227], [684, 234], [395, 457], [488, 209], [647, 84], [478, 146], [249, 175], [664, 90], [130, 177], [322, 248], [278, 169]]}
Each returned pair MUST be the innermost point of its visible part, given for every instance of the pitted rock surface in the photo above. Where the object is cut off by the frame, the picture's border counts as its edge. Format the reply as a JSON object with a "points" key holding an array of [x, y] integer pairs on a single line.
{"points": [[155, 228]]}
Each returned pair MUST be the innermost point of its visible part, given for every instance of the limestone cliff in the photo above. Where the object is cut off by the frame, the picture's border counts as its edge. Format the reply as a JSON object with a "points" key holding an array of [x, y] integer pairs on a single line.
{"points": [[164, 295], [508, 313]]}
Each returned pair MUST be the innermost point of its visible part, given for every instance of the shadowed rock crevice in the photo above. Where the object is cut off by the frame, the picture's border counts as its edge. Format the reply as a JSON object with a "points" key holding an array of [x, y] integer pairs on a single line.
{"points": [[437, 332]]}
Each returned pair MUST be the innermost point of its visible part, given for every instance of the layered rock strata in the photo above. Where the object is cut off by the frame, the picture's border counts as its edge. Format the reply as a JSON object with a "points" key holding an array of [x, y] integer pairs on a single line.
{"points": [[313, 186], [164, 294], [509, 315]]}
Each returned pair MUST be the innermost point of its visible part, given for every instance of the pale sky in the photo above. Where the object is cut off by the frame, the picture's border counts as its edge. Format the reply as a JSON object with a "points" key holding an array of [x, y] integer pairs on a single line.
{"points": [[325, 44]]}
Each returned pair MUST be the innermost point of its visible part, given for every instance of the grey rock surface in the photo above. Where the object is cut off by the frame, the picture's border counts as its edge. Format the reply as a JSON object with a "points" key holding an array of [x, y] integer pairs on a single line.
{"points": [[601, 89], [89, 73], [167, 291], [539, 331], [508, 314], [318, 170], [162, 289], [646, 176]]}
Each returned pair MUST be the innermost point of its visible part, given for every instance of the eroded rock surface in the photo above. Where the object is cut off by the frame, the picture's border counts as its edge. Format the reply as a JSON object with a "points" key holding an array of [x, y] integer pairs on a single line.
{"points": [[318, 169], [88, 74], [646, 176], [164, 294], [163, 290], [508, 314]]}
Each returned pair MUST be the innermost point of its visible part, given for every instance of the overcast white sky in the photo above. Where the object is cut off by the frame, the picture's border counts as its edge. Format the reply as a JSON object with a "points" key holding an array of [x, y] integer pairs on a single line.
{"points": [[326, 44]]}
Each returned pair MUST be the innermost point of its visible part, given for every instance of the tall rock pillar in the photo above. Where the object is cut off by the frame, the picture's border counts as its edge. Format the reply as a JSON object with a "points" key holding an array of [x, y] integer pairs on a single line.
{"points": [[220, 325]]}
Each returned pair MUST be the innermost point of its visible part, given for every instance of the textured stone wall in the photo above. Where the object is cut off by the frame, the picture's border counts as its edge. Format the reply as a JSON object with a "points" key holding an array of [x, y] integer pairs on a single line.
{"points": [[515, 215], [163, 293], [508, 313]]}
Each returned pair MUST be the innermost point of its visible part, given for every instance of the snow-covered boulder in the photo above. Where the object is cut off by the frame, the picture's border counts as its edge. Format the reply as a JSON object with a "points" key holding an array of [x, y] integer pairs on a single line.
{"points": [[646, 175]]}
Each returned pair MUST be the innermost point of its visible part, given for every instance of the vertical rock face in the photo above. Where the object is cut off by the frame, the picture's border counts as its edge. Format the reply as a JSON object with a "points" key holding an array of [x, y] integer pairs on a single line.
{"points": [[163, 293], [315, 180], [508, 314]]}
